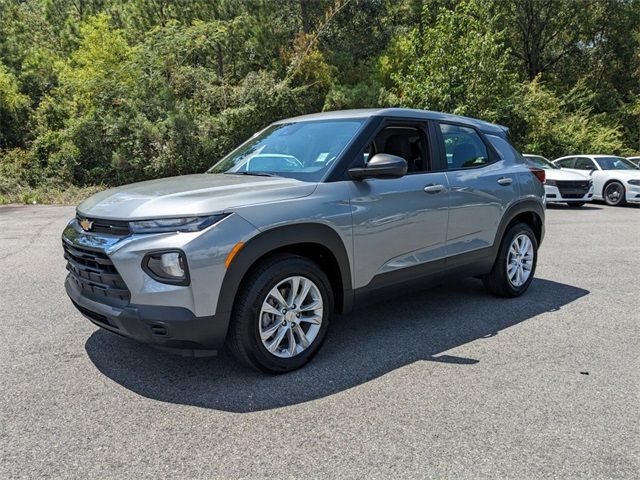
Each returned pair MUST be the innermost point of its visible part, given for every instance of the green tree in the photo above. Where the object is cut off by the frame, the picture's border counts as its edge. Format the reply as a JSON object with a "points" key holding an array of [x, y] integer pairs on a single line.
{"points": [[459, 63]]}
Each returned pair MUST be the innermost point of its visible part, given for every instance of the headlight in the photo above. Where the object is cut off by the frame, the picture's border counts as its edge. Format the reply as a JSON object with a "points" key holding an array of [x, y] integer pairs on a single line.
{"points": [[633, 182], [169, 266], [550, 182], [185, 224]]}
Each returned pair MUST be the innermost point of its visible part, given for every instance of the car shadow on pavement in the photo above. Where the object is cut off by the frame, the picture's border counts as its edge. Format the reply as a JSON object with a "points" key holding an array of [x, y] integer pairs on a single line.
{"points": [[361, 346]]}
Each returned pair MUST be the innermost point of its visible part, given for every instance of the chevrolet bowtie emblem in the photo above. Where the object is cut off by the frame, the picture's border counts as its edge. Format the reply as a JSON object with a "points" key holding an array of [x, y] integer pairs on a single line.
{"points": [[86, 224]]}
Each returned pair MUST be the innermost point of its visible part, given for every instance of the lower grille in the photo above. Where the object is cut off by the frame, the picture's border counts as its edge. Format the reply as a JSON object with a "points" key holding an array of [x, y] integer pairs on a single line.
{"points": [[95, 316], [573, 189], [93, 272]]}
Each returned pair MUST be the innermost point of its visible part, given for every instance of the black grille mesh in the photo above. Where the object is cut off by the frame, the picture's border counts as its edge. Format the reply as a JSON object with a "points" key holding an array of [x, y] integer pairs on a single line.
{"points": [[94, 273]]}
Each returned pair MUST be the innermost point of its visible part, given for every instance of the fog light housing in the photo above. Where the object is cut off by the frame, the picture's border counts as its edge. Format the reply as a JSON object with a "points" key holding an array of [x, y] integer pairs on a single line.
{"points": [[167, 266]]}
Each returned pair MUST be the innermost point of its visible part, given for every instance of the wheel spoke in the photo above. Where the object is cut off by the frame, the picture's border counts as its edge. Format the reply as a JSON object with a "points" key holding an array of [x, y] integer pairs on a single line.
{"points": [[295, 285], [304, 291], [275, 343], [314, 320], [304, 341], [292, 342], [268, 308], [311, 306], [266, 334], [277, 296]]}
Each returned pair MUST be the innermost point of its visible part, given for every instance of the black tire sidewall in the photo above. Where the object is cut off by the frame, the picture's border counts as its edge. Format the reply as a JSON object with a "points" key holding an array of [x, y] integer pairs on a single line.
{"points": [[279, 270]]}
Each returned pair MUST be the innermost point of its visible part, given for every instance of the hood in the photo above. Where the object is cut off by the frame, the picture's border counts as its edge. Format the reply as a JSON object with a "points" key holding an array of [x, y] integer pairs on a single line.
{"points": [[565, 175], [190, 195]]}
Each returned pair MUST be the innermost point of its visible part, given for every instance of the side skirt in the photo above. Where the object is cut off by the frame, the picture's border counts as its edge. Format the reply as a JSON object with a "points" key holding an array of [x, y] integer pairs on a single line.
{"points": [[420, 277]]}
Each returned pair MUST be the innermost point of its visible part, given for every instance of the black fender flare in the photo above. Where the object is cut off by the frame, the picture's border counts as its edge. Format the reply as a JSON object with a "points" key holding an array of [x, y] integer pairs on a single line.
{"points": [[519, 207], [278, 238]]}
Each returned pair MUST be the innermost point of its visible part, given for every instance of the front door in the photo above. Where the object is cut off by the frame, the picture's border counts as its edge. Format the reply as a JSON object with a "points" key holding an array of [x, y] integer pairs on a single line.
{"points": [[399, 225]]}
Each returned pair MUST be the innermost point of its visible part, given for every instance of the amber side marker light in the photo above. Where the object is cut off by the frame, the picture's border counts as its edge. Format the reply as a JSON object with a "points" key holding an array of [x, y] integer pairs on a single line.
{"points": [[539, 173], [236, 248]]}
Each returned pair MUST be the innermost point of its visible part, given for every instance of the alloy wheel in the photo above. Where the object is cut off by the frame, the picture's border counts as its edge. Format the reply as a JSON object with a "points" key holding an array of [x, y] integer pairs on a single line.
{"points": [[290, 317], [520, 260], [614, 193]]}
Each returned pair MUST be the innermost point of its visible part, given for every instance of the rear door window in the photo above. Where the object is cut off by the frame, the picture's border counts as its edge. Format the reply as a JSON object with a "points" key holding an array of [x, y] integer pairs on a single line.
{"points": [[566, 162], [584, 163], [463, 147]]}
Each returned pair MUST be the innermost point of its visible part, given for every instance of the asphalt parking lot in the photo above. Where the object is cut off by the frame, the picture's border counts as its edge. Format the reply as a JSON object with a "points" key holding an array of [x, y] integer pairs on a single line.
{"points": [[448, 383]]}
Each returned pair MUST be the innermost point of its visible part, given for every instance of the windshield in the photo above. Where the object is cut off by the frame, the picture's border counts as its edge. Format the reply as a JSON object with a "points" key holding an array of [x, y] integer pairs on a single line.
{"points": [[540, 162], [615, 163], [302, 150]]}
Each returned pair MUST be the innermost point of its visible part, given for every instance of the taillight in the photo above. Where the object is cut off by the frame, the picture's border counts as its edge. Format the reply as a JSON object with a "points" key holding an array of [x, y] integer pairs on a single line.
{"points": [[539, 173]]}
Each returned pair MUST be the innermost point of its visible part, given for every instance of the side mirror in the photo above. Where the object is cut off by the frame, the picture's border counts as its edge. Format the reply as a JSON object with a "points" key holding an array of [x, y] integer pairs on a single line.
{"points": [[381, 165]]}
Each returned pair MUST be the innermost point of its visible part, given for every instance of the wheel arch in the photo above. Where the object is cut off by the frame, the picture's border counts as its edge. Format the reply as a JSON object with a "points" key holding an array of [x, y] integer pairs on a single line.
{"points": [[528, 211], [315, 241], [608, 182]]}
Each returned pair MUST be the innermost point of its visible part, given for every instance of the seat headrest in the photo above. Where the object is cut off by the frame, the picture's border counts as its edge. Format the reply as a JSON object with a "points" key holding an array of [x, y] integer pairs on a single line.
{"points": [[398, 145], [462, 154]]}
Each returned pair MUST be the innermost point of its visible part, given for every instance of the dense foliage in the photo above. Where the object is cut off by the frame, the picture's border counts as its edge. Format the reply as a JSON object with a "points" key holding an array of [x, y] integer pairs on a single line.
{"points": [[105, 92]]}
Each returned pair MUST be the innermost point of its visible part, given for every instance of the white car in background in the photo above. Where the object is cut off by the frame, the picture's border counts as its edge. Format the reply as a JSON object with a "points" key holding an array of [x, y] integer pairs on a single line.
{"points": [[635, 161], [615, 179], [561, 186]]}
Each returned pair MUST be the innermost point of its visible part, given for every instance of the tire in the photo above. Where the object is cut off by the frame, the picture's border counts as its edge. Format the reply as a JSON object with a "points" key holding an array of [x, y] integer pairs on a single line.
{"points": [[276, 275], [498, 281], [614, 194], [575, 204]]}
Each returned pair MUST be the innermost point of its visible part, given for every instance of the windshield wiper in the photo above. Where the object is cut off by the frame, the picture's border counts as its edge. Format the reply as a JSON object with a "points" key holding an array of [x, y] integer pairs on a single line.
{"points": [[255, 174]]}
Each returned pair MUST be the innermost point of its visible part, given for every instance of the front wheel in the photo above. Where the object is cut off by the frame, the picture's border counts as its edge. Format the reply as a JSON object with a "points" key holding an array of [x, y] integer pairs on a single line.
{"points": [[614, 194], [515, 265], [281, 315]]}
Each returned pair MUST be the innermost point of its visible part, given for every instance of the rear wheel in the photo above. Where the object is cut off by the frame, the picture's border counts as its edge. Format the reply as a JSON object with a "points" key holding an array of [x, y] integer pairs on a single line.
{"points": [[614, 194], [576, 204], [515, 265], [281, 314]]}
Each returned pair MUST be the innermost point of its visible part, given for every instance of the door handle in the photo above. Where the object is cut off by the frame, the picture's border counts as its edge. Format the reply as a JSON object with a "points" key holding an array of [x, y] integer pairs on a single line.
{"points": [[434, 188], [505, 181]]}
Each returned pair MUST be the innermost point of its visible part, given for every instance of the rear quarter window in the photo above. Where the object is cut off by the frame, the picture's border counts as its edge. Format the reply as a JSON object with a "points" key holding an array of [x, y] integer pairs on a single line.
{"points": [[504, 148]]}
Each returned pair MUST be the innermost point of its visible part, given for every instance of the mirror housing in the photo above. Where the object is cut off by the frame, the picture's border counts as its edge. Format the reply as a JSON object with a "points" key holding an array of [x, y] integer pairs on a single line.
{"points": [[381, 165]]}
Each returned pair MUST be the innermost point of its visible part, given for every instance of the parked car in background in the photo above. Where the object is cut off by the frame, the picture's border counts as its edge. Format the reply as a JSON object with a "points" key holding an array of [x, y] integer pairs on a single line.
{"points": [[561, 186], [615, 179], [307, 218], [635, 161]]}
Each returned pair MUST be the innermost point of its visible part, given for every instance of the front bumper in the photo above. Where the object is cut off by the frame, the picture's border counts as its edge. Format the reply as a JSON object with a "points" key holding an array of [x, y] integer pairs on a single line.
{"points": [[553, 195], [115, 293], [173, 328], [632, 193]]}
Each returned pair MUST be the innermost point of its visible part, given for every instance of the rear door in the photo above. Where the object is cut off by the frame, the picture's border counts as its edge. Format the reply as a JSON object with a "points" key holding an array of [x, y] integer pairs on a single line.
{"points": [[399, 225], [481, 184]]}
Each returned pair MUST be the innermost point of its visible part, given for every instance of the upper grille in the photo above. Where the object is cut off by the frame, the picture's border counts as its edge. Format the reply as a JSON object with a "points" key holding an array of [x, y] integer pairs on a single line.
{"points": [[110, 227], [573, 188], [94, 273]]}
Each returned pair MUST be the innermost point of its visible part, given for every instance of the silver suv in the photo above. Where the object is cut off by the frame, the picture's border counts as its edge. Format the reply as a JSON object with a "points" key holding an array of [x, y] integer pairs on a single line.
{"points": [[310, 216]]}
